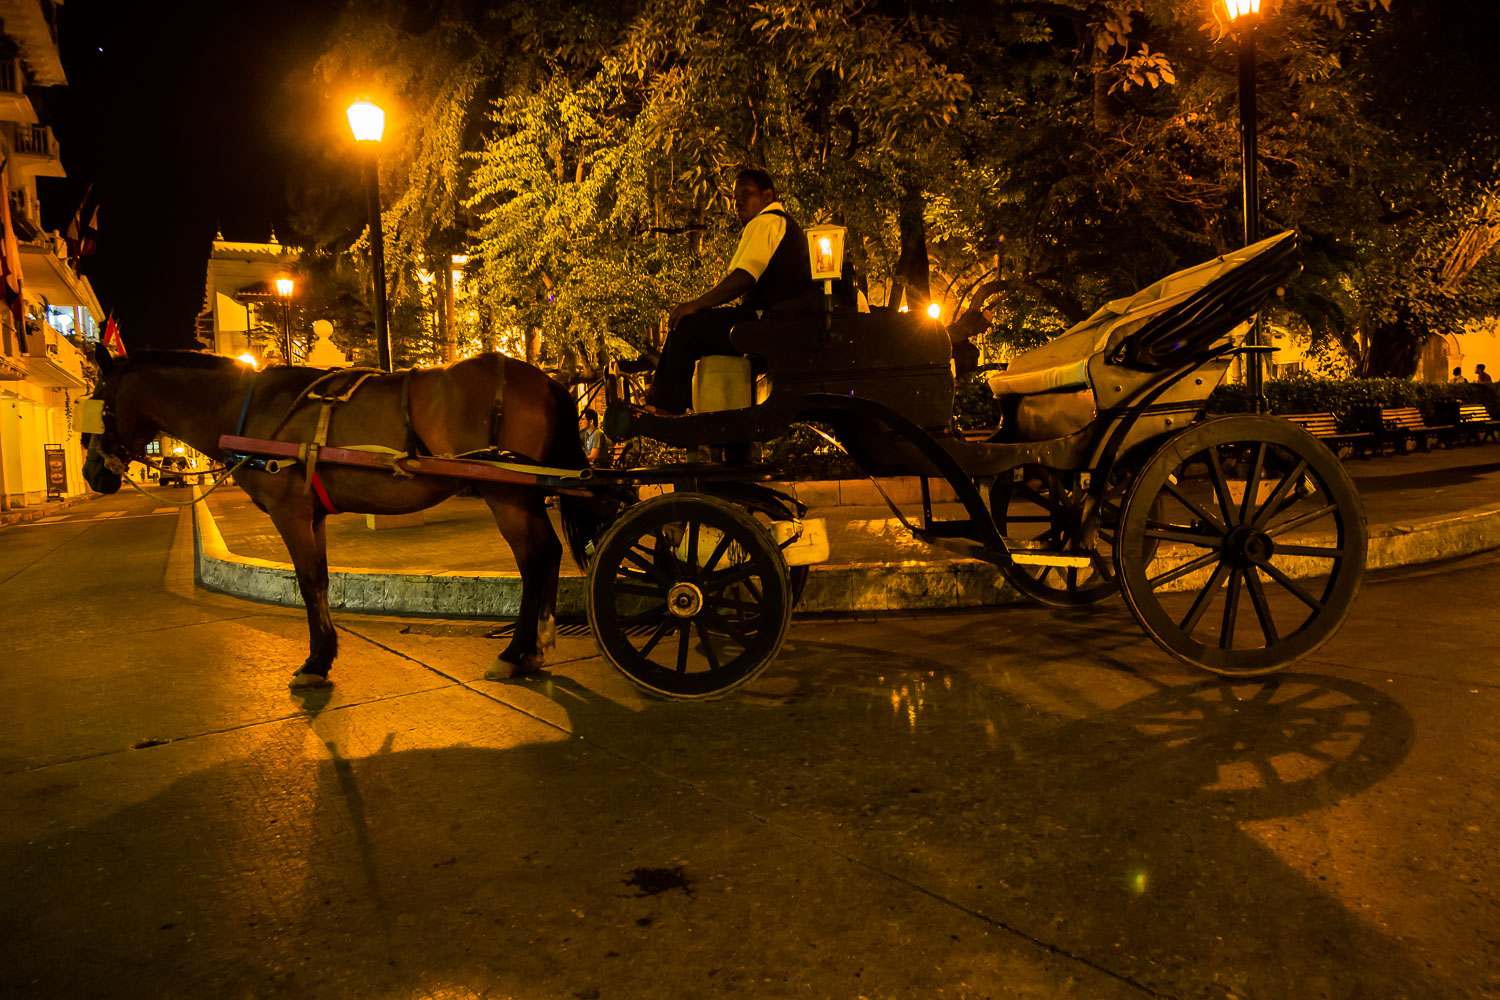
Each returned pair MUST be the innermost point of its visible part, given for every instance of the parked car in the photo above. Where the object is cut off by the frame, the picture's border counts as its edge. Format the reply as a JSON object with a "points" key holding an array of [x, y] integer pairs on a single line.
{"points": [[173, 469]]}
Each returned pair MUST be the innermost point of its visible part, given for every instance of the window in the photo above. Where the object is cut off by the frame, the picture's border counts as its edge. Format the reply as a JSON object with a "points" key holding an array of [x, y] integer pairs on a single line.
{"points": [[153, 448]]}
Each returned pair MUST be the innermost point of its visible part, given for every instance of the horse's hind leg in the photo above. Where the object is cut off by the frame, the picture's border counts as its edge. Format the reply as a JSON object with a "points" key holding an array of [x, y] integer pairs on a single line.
{"points": [[522, 517], [306, 542]]}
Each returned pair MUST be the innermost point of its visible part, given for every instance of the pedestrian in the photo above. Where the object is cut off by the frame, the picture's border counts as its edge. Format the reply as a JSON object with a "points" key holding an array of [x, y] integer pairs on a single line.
{"points": [[770, 267], [588, 434], [1480, 375], [1458, 374]]}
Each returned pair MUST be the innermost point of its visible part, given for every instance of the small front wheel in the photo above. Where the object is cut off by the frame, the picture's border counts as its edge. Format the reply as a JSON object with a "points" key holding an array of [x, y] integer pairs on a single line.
{"points": [[688, 596], [1262, 545]]}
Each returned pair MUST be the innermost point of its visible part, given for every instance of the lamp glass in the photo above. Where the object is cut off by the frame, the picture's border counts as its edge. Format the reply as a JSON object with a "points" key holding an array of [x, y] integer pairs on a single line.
{"points": [[825, 251], [1239, 8], [248, 359], [366, 121], [284, 287]]}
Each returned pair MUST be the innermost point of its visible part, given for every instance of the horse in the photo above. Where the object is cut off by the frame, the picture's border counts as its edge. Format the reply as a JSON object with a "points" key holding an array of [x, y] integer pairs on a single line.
{"points": [[485, 402]]}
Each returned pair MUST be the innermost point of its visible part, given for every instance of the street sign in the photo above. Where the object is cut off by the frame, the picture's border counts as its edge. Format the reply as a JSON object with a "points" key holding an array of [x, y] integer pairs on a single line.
{"points": [[56, 461]]}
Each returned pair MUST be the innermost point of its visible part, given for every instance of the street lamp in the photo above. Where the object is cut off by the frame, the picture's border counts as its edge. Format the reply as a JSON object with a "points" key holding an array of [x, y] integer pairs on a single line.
{"points": [[1246, 14], [367, 122], [284, 289]]}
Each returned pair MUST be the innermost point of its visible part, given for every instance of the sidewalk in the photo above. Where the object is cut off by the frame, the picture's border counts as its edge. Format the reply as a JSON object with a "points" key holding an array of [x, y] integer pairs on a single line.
{"points": [[1420, 508]]}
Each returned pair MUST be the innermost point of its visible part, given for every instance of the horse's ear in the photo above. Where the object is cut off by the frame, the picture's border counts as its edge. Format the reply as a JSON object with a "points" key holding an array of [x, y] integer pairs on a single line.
{"points": [[103, 358]]}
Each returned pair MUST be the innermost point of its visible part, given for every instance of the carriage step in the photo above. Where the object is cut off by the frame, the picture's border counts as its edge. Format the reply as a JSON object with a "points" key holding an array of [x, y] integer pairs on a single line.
{"points": [[1050, 559]]}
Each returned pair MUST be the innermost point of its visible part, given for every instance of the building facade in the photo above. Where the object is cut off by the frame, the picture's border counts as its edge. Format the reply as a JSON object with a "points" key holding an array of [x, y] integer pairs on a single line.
{"points": [[240, 282], [44, 336]]}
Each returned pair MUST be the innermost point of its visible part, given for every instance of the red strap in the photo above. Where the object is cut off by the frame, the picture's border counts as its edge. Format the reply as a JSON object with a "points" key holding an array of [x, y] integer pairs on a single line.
{"points": [[317, 485]]}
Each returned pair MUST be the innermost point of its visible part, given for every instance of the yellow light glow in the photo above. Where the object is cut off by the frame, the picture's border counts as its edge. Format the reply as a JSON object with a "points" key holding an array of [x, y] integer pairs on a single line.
{"points": [[825, 244], [426, 277], [934, 310], [1239, 8], [248, 359], [177, 450], [366, 121], [903, 308], [284, 287]]}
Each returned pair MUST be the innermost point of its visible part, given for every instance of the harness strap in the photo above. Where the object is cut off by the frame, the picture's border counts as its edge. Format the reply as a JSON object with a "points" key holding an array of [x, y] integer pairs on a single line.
{"points": [[414, 443], [239, 427], [321, 491], [320, 438]]}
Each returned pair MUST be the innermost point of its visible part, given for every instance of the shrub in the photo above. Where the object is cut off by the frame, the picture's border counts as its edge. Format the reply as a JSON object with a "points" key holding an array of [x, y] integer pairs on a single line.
{"points": [[1301, 393]]}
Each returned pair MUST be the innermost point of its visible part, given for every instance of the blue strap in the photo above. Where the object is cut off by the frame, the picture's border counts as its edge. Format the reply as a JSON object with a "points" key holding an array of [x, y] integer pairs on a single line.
{"points": [[239, 428]]}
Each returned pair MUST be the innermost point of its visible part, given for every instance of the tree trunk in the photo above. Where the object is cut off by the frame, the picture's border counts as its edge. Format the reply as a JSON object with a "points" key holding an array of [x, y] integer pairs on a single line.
{"points": [[912, 276], [450, 330]]}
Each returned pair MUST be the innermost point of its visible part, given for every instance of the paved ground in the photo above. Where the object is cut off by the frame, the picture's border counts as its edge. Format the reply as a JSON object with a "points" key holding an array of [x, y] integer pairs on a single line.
{"points": [[460, 535], [1002, 804]]}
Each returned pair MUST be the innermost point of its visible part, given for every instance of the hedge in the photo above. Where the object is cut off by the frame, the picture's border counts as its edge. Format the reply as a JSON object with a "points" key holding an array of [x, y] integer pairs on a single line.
{"points": [[1301, 393]]}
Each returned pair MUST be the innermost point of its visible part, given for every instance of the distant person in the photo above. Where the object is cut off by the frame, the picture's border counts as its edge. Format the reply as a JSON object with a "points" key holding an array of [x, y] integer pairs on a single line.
{"points": [[1458, 374], [1480, 375], [588, 434]]}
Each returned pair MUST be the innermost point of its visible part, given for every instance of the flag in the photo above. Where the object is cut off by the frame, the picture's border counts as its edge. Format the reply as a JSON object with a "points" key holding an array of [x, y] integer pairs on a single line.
{"points": [[83, 231], [10, 263], [111, 338]]}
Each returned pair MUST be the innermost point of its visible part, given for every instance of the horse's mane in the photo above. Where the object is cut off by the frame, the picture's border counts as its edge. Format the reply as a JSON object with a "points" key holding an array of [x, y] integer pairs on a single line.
{"points": [[180, 359]]}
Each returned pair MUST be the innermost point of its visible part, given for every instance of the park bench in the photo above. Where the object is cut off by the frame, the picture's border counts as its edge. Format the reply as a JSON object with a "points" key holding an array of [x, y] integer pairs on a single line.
{"points": [[1399, 424], [1325, 427], [1474, 422]]}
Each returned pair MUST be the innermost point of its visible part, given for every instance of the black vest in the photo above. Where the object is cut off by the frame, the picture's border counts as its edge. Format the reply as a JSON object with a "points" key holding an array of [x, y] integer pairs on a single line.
{"points": [[788, 275]]}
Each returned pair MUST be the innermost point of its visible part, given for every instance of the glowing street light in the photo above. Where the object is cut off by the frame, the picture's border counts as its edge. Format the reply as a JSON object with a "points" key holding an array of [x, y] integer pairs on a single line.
{"points": [[1245, 14], [284, 289], [248, 359], [934, 310], [367, 122]]}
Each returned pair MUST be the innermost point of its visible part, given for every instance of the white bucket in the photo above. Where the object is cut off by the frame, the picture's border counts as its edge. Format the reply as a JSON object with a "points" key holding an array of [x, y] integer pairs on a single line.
{"points": [[722, 382]]}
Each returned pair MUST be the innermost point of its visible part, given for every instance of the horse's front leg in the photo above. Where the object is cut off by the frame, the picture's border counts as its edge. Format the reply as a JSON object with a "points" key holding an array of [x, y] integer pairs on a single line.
{"points": [[303, 532], [522, 517]]}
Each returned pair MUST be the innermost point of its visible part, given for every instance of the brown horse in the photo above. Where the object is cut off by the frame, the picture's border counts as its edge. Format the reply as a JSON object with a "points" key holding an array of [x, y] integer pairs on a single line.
{"points": [[485, 402]]}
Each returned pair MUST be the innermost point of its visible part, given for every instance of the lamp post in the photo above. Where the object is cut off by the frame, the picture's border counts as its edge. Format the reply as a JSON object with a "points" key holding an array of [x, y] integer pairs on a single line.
{"points": [[1245, 14], [367, 122], [284, 289]]}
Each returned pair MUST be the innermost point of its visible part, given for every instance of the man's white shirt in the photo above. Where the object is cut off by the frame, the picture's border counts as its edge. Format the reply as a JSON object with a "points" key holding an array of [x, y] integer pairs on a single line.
{"points": [[758, 242]]}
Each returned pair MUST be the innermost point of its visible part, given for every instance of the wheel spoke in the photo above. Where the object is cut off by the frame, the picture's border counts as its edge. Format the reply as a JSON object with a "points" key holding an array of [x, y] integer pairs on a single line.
{"points": [[1309, 550], [664, 551], [1231, 611], [682, 647], [642, 617], [1300, 520], [1204, 598], [1190, 566], [1203, 515], [1186, 537], [637, 589], [708, 645], [719, 581], [652, 570], [1291, 585], [1221, 485], [657, 636], [1252, 485], [1262, 608], [1270, 508], [723, 625], [716, 554]]}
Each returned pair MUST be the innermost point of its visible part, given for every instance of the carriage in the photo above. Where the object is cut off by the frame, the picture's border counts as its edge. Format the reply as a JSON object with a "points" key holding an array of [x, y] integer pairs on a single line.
{"points": [[1238, 542]]}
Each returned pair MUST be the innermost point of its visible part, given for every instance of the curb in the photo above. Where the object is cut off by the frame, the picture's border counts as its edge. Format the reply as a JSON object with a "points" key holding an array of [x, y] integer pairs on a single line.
{"points": [[909, 585], [23, 515]]}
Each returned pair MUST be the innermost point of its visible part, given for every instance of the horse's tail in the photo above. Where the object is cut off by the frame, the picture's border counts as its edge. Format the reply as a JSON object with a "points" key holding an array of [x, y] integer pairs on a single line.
{"points": [[582, 517]]}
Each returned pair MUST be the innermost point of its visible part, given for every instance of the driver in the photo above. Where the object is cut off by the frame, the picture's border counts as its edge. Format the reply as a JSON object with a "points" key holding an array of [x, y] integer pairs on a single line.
{"points": [[770, 266]]}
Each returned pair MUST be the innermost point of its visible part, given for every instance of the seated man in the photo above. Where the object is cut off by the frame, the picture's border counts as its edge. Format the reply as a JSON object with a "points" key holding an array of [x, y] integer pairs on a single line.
{"points": [[770, 266]]}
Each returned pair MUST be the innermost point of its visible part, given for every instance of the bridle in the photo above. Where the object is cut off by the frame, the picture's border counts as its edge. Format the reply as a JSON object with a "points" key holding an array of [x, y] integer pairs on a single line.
{"points": [[98, 421]]}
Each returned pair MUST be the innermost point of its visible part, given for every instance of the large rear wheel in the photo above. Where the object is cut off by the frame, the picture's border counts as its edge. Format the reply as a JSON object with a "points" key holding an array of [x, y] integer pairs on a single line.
{"points": [[1262, 545], [688, 596]]}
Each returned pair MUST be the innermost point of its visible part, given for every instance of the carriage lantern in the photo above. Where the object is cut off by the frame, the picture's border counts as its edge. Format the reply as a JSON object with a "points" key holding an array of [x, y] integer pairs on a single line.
{"points": [[825, 252]]}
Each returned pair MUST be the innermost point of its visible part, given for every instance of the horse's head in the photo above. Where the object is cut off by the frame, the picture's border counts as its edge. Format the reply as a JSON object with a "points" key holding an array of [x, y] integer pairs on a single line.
{"points": [[115, 433]]}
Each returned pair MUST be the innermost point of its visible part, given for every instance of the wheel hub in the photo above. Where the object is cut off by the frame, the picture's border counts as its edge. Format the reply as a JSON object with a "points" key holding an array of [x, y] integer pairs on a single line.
{"points": [[1247, 546], [684, 599]]}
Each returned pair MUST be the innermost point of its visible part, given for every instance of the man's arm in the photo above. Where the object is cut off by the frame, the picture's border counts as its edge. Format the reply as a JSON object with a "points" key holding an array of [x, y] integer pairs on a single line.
{"points": [[735, 284]]}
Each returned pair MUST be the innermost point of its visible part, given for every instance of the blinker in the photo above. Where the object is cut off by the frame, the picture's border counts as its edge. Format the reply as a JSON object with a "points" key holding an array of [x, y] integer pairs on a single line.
{"points": [[91, 417]]}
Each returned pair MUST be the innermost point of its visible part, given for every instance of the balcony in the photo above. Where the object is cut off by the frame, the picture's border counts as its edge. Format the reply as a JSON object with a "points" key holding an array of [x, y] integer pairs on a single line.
{"points": [[36, 151], [15, 105], [51, 359]]}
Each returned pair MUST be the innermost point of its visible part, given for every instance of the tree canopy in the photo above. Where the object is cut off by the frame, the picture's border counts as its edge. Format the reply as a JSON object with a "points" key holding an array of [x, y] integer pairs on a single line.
{"points": [[1017, 161]]}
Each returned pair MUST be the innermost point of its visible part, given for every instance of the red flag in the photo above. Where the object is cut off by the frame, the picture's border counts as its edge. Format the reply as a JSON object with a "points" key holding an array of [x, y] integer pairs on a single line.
{"points": [[111, 338]]}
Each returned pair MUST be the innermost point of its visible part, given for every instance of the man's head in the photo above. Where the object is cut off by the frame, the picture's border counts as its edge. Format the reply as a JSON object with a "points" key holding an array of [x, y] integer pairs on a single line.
{"points": [[753, 191], [588, 420], [1478, 369], [1458, 371]]}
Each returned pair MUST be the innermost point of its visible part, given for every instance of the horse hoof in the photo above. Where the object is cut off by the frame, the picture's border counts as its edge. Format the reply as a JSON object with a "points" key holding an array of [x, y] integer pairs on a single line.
{"points": [[503, 670], [306, 680]]}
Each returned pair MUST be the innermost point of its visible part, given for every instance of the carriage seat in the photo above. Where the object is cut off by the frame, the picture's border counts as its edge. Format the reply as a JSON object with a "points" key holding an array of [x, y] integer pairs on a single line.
{"points": [[1061, 364], [722, 382]]}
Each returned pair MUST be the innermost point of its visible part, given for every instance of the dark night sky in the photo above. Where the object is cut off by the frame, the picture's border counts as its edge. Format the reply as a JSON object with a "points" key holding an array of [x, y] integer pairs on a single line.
{"points": [[179, 114]]}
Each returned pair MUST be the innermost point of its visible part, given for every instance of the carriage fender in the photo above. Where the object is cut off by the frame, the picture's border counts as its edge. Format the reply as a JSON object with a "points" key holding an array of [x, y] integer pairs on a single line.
{"points": [[1054, 414]]}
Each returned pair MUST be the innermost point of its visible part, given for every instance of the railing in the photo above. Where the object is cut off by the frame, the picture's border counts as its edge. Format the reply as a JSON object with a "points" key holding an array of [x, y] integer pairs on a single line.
{"points": [[35, 140]]}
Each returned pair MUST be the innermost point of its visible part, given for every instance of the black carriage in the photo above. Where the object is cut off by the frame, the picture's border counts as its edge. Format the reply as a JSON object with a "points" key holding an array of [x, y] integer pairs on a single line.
{"points": [[1238, 542]]}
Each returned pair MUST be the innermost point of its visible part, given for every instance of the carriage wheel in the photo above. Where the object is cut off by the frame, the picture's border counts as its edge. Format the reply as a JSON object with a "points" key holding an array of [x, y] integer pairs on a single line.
{"points": [[688, 596], [1046, 506], [1262, 545]]}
